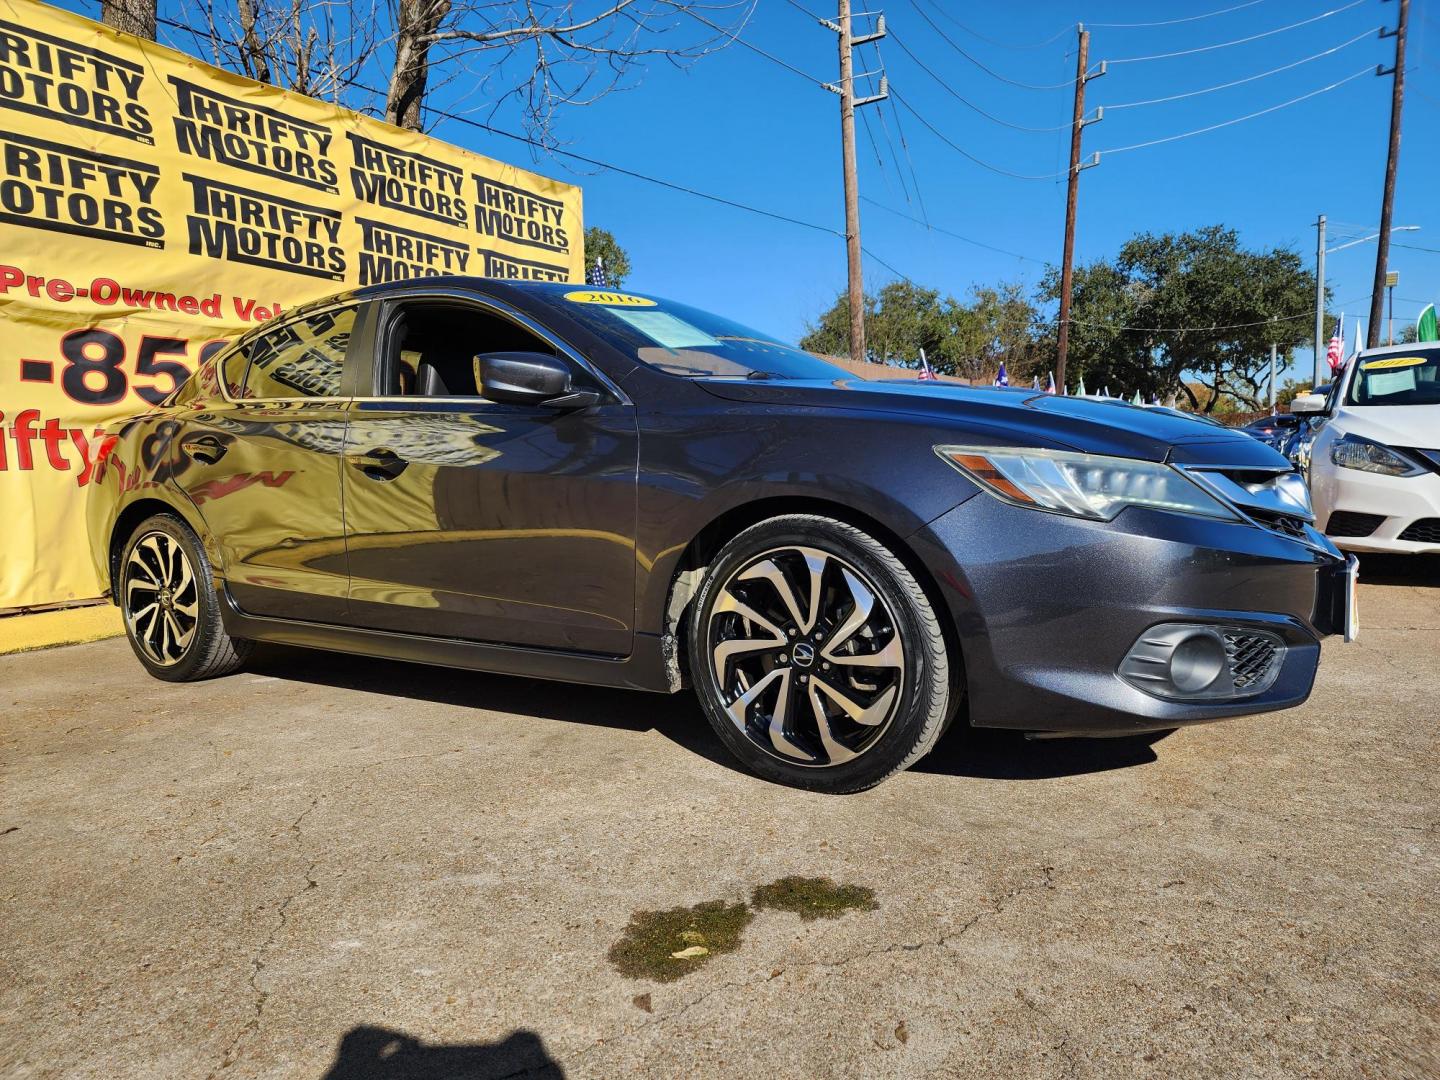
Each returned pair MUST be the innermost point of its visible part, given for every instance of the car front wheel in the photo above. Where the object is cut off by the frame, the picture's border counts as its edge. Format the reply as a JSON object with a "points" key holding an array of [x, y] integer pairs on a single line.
{"points": [[172, 615], [817, 656]]}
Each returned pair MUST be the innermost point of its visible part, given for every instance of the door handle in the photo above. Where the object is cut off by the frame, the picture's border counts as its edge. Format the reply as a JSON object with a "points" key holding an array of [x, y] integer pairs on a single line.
{"points": [[206, 448], [382, 463]]}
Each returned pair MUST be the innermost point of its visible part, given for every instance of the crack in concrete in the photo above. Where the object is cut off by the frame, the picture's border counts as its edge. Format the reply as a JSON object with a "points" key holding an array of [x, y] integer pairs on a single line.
{"points": [[257, 962]]}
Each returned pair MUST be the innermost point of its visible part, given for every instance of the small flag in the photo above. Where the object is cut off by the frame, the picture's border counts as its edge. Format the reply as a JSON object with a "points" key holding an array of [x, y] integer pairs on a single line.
{"points": [[1105, 392], [1335, 354], [1154, 399], [927, 373], [1050, 383], [1035, 383], [1001, 379], [1359, 340], [1426, 327], [596, 275], [1080, 390], [1136, 399]]}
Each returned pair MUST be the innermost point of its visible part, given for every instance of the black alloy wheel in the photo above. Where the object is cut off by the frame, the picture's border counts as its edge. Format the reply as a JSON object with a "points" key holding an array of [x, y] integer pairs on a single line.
{"points": [[817, 656]]}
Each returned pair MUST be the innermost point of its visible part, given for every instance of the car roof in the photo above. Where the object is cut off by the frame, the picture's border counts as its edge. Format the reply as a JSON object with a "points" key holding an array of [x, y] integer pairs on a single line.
{"points": [[1408, 347]]}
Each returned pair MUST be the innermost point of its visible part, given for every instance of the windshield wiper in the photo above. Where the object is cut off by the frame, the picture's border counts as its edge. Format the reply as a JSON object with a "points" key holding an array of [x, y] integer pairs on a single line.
{"points": [[765, 375]]}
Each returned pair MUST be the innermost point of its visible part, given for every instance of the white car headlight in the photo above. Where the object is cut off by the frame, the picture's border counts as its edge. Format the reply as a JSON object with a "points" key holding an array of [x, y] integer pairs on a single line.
{"points": [[1353, 452], [1081, 485]]}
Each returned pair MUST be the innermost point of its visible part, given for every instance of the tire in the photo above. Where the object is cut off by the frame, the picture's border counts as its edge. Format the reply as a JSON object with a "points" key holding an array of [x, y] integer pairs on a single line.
{"points": [[165, 588], [858, 665]]}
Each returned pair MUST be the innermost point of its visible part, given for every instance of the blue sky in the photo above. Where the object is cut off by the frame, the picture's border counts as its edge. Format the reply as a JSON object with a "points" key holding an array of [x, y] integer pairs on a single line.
{"points": [[746, 128], [742, 126]]}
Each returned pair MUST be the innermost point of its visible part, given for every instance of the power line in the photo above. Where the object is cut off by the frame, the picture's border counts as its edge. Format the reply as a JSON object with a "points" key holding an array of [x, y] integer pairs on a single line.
{"points": [[1241, 41], [734, 36], [1196, 329], [1239, 119], [595, 162], [1172, 22], [905, 145], [965, 153], [966, 101], [989, 71], [1416, 247], [804, 10], [947, 232], [1248, 79], [996, 42], [1225, 326]]}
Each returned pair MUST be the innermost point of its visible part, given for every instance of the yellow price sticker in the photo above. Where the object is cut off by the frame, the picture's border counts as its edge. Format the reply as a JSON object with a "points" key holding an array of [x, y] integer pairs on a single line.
{"points": [[1393, 362], [609, 299]]}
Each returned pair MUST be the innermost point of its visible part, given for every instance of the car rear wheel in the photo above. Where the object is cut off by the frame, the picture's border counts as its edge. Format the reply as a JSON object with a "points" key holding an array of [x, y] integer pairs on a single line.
{"points": [[817, 656], [172, 615]]}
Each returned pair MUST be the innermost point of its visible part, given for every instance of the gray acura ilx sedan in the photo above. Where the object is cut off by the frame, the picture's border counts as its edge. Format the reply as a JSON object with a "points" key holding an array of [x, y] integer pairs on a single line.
{"points": [[610, 488]]}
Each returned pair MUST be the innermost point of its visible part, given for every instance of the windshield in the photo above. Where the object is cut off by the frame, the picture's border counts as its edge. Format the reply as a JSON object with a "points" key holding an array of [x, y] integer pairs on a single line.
{"points": [[681, 340], [1411, 378]]}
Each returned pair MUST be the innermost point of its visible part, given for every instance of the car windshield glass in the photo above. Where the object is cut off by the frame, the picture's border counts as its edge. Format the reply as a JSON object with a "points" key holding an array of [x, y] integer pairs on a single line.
{"points": [[681, 340], [1408, 378]]}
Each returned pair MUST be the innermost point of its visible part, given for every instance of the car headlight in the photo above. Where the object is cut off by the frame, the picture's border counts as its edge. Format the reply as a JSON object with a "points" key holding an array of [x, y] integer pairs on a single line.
{"points": [[1081, 485], [1353, 452]]}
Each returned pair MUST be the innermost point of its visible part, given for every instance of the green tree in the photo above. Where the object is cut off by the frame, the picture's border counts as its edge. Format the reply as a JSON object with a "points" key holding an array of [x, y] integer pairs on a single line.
{"points": [[602, 243], [959, 339], [1233, 303]]}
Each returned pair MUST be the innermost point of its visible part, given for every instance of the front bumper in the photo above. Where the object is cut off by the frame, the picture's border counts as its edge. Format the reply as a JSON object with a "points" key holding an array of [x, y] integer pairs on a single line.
{"points": [[1399, 501], [1046, 607]]}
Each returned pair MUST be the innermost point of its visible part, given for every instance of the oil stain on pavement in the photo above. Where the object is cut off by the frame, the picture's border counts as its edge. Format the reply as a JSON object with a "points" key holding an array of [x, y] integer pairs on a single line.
{"points": [[668, 945]]}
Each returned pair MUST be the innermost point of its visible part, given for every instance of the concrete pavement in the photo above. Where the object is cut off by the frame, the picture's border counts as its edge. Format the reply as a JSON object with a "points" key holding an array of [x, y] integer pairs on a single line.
{"points": [[332, 867]]}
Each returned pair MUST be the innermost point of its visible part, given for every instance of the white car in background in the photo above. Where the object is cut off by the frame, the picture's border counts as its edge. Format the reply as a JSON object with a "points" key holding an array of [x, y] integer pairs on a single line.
{"points": [[1374, 465]]}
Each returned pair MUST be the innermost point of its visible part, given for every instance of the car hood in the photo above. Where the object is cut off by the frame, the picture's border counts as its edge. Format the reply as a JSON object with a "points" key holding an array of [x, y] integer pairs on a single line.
{"points": [[1020, 417], [1394, 425]]}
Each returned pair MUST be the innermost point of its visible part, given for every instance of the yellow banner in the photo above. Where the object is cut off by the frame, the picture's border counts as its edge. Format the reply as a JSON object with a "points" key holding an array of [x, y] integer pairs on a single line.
{"points": [[152, 206]]}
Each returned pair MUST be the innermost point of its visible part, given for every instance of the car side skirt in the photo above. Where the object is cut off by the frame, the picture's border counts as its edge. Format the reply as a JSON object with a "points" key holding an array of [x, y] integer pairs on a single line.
{"points": [[643, 669]]}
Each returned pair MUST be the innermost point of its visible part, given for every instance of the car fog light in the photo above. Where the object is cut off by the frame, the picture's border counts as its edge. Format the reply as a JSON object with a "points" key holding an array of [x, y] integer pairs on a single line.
{"points": [[1199, 662]]}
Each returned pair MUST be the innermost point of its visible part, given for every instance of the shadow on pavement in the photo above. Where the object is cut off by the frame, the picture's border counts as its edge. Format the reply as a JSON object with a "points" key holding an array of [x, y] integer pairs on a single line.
{"points": [[372, 1053], [977, 753], [1008, 755], [675, 716], [1400, 569]]}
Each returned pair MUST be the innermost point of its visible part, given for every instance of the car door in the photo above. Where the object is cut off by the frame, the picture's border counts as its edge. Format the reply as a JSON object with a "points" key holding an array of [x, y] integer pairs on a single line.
{"points": [[471, 519], [262, 466]]}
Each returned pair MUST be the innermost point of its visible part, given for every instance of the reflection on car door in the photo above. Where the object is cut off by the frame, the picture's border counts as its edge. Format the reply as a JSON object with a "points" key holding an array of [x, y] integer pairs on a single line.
{"points": [[487, 522], [263, 469]]}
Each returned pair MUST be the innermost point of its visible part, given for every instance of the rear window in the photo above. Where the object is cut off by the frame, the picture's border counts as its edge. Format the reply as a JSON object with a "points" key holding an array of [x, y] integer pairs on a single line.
{"points": [[686, 341], [1410, 378]]}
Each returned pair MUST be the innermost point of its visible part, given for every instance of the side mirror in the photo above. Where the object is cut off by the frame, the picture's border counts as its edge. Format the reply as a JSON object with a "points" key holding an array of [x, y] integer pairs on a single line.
{"points": [[529, 378], [1308, 404]]}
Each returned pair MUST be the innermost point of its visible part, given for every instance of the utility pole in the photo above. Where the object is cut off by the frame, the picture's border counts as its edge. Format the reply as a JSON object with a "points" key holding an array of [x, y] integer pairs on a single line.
{"points": [[848, 104], [1319, 296], [1387, 205], [1067, 264]]}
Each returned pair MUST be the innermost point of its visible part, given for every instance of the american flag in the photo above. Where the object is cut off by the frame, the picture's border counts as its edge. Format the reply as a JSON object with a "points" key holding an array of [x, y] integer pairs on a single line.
{"points": [[1001, 379], [1336, 352], [927, 373], [1050, 383], [596, 275]]}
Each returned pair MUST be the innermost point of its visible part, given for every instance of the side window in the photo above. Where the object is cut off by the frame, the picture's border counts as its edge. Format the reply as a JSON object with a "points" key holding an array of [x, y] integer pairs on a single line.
{"points": [[301, 359], [432, 349]]}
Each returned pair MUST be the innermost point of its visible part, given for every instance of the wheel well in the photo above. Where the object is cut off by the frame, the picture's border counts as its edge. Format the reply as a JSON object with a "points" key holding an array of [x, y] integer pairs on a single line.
{"points": [[125, 524], [701, 551]]}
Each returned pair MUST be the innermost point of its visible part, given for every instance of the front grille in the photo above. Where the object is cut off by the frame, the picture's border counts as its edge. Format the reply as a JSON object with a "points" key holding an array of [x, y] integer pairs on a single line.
{"points": [[1424, 531], [1285, 524], [1350, 523], [1250, 656]]}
